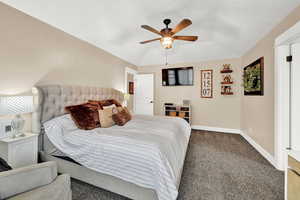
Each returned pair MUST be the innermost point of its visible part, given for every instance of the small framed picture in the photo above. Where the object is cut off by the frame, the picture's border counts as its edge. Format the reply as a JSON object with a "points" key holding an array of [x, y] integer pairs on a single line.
{"points": [[131, 87]]}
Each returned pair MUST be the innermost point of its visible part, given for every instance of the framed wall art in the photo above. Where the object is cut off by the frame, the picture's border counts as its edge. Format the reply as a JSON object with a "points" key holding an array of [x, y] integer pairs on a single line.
{"points": [[131, 87], [254, 78], [206, 83]]}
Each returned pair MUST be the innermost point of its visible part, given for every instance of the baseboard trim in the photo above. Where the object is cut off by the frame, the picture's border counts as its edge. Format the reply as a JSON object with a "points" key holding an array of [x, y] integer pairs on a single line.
{"points": [[216, 129], [260, 149]]}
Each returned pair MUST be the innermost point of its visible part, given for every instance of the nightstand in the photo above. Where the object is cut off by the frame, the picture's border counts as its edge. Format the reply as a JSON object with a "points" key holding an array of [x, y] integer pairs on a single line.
{"points": [[20, 151]]}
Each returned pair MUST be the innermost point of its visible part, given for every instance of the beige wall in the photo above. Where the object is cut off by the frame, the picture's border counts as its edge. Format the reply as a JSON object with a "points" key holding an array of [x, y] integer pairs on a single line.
{"points": [[33, 53], [220, 111], [258, 111]]}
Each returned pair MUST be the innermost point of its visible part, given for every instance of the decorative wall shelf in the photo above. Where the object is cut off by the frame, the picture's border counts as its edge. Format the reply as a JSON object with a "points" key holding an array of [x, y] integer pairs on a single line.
{"points": [[226, 71], [227, 93], [227, 82]]}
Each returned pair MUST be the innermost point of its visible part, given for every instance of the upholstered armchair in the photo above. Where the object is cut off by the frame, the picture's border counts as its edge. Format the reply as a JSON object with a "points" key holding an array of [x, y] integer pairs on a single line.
{"points": [[35, 182]]}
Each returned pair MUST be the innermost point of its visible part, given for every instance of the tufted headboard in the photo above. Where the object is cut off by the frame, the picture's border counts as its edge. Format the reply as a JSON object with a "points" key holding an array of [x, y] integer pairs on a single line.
{"points": [[52, 100]]}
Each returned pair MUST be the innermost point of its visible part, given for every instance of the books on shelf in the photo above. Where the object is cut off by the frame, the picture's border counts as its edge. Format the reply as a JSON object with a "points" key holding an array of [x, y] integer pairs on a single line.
{"points": [[182, 111]]}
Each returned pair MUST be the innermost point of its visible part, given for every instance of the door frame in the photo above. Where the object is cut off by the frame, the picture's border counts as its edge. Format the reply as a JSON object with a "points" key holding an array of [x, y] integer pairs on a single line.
{"points": [[153, 74], [282, 98], [129, 70]]}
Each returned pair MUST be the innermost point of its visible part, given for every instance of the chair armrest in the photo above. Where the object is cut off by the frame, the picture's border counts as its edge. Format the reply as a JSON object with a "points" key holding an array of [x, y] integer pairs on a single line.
{"points": [[20, 180], [59, 189]]}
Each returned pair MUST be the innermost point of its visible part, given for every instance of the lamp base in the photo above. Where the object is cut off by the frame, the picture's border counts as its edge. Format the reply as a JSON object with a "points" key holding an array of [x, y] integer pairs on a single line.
{"points": [[14, 135], [17, 125], [22, 135]]}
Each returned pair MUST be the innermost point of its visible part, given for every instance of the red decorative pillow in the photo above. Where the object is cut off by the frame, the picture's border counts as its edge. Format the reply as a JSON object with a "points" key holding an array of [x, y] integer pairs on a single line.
{"points": [[122, 117], [85, 116], [106, 102], [120, 109]]}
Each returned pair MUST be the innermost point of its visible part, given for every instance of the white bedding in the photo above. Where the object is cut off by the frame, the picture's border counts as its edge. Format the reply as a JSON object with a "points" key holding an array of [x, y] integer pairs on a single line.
{"points": [[148, 151]]}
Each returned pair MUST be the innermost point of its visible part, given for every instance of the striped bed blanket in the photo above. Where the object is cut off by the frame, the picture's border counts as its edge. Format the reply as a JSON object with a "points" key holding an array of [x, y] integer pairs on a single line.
{"points": [[148, 151]]}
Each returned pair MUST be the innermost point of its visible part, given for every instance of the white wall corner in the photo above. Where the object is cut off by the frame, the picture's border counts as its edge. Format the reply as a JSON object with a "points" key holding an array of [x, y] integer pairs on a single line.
{"points": [[289, 36], [261, 150]]}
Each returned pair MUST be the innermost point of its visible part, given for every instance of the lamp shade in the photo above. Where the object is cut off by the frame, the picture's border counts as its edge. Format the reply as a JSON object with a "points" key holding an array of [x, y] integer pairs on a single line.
{"points": [[166, 42], [10, 105]]}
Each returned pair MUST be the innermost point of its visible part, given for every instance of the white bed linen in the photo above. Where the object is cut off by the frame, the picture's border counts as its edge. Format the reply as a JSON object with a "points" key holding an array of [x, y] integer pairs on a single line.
{"points": [[148, 151]]}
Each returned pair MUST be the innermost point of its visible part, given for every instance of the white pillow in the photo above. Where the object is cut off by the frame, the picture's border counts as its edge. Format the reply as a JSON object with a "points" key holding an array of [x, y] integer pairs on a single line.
{"points": [[64, 123], [57, 128], [105, 116]]}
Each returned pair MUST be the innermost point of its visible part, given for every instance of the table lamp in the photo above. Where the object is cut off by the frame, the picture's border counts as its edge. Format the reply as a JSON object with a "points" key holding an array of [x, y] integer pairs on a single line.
{"points": [[126, 98], [16, 105]]}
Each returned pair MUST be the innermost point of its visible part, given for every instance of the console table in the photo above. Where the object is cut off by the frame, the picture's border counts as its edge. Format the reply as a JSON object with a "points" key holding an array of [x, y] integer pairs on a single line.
{"points": [[183, 111]]}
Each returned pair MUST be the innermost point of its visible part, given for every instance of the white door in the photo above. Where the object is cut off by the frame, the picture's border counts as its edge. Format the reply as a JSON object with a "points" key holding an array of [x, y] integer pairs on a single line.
{"points": [[144, 94], [295, 97]]}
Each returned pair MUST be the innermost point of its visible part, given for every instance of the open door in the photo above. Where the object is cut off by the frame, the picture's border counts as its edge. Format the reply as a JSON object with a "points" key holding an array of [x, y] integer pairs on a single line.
{"points": [[144, 94], [295, 98]]}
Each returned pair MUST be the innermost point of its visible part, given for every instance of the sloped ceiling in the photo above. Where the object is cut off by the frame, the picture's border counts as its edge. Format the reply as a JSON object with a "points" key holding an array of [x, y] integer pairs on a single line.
{"points": [[226, 28]]}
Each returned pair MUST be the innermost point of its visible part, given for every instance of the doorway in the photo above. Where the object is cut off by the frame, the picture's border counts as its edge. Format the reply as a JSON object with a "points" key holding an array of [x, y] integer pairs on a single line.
{"points": [[130, 81], [144, 94], [287, 94]]}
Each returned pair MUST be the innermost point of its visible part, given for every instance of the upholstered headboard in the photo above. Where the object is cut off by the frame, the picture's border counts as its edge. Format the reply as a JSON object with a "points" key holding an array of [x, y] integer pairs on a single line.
{"points": [[52, 99]]}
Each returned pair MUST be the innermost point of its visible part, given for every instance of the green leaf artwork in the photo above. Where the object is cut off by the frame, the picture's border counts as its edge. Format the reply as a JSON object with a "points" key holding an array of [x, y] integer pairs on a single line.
{"points": [[253, 78]]}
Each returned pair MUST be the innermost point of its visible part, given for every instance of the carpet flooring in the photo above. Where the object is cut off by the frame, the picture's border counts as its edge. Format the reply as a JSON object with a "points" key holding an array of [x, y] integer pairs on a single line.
{"points": [[218, 166]]}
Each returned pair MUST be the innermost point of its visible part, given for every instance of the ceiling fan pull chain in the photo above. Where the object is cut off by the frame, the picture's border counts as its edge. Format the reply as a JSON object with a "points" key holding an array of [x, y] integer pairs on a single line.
{"points": [[166, 57]]}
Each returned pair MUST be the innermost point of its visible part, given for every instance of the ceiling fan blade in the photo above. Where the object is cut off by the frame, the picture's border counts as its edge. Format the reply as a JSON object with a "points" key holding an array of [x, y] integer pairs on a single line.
{"points": [[144, 42], [186, 38], [183, 24], [153, 30]]}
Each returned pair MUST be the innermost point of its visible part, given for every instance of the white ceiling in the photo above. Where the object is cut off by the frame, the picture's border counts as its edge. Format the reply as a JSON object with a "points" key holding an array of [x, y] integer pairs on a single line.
{"points": [[226, 28]]}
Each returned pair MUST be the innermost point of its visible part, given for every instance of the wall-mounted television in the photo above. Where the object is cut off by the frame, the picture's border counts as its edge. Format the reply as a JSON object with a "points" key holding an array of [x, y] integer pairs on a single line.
{"points": [[182, 76]]}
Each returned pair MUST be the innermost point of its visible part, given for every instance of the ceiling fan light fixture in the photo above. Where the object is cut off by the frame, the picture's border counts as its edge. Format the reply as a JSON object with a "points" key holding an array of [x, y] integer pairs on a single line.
{"points": [[166, 42], [167, 35]]}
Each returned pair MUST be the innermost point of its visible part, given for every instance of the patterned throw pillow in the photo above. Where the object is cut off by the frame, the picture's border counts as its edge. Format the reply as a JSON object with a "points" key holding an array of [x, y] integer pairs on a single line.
{"points": [[85, 116], [122, 117], [105, 116], [126, 110], [106, 102]]}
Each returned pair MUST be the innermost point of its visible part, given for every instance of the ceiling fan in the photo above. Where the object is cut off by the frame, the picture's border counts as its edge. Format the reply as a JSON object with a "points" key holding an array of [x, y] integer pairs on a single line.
{"points": [[168, 34]]}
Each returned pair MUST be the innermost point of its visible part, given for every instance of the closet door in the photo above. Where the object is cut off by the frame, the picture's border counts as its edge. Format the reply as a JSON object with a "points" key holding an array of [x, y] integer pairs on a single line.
{"points": [[144, 94], [295, 97]]}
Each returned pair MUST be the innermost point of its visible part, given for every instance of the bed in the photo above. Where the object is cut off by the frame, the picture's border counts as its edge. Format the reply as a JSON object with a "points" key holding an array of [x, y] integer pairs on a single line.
{"points": [[141, 160]]}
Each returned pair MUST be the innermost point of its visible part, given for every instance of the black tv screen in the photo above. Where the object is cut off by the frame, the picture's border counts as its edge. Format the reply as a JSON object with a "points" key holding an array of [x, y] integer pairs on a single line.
{"points": [[178, 76]]}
